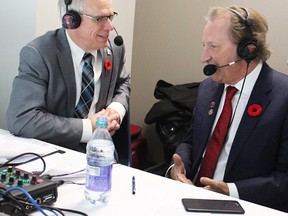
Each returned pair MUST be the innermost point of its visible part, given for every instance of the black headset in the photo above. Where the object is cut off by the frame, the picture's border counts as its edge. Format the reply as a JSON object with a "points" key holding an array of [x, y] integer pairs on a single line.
{"points": [[71, 19], [243, 50]]}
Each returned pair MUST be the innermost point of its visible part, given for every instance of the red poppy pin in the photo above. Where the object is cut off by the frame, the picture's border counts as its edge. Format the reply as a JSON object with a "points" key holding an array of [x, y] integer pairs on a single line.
{"points": [[254, 110], [108, 65]]}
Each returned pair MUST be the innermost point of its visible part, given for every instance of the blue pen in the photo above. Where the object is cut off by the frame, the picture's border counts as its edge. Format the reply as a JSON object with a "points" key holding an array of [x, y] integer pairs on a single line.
{"points": [[133, 185]]}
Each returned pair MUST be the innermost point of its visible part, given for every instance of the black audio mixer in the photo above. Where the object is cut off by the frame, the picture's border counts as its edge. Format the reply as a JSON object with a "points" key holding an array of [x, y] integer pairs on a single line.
{"points": [[43, 191]]}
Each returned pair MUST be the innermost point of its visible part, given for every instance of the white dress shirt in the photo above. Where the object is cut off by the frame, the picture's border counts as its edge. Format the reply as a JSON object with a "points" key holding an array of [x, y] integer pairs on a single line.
{"points": [[77, 55], [238, 113]]}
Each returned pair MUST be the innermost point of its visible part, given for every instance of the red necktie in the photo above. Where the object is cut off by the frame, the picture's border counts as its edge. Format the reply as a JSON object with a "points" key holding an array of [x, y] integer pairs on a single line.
{"points": [[217, 139]]}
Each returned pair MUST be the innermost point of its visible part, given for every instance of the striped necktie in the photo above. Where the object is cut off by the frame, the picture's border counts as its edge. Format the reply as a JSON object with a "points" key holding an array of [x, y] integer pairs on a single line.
{"points": [[87, 88]]}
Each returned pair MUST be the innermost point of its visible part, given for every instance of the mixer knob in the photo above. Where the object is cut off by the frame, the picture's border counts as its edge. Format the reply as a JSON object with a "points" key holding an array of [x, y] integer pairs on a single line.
{"points": [[20, 183], [18, 173], [3, 177], [11, 180], [10, 169], [34, 179]]}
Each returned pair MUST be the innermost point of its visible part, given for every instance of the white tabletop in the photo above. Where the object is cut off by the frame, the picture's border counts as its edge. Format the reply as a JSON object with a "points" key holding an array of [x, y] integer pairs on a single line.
{"points": [[155, 195]]}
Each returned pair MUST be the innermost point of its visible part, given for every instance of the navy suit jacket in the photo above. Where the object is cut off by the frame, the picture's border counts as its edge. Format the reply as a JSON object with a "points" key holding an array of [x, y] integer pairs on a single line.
{"points": [[258, 160]]}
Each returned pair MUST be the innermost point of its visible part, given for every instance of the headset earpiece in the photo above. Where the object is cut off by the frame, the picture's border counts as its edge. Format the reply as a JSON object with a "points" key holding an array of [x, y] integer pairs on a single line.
{"points": [[71, 19], [247, 49]]}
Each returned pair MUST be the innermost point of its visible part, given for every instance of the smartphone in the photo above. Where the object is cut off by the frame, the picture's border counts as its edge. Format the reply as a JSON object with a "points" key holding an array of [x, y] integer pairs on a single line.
{"points": [[212, 206]]}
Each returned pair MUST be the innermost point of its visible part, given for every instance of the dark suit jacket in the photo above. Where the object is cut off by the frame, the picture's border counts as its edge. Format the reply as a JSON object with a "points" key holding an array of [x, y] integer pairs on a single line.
{"points": [[43, 96], [258, 161]]}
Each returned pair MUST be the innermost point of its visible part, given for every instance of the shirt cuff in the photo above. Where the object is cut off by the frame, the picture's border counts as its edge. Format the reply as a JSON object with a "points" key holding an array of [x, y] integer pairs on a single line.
{"points": [[118, 107], [233, 191], [87, 130]]}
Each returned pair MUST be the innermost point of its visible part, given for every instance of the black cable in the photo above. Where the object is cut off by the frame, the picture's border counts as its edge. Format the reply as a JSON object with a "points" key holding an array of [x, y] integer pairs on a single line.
{"points": [[60, 182], [21, 201], [11, 209], [20, 155], [52, 208], [73, 211], [242, 87], [61, 210], [10, 200], [48, 154], [72, 182], [60, 175]]}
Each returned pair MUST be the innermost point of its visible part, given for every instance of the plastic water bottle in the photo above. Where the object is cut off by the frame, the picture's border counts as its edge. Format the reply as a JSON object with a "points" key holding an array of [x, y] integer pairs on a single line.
{"points": [[100, 157]]}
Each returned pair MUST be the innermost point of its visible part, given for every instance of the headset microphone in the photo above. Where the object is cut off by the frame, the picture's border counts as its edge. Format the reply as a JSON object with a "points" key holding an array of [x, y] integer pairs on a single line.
{"points": [[118, 40], [210, 69]]}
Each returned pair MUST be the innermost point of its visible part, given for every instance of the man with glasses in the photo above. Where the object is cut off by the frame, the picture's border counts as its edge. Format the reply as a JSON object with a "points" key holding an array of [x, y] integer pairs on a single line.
{"points": [[49, 87]]}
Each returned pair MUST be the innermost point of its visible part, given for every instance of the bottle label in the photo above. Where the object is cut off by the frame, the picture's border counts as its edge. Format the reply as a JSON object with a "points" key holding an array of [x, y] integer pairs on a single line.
{"points": [[99, 178]]}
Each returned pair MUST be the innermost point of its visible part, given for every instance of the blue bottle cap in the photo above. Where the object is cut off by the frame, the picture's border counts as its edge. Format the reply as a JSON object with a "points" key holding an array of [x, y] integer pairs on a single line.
{"points": [[101, 122]]}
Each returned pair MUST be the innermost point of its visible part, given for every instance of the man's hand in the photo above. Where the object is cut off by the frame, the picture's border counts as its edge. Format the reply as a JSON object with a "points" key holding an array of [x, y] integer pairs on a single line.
{"points": [[216, 186], [178, 170], [113, 119]]}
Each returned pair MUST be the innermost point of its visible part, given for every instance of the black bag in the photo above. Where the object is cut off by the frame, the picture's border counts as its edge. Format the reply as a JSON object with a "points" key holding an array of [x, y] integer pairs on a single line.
{"points": [[173, 113]]}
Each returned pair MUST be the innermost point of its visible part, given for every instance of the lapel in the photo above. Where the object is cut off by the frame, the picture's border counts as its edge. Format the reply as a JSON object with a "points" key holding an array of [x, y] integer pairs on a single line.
{"points": [[210, 100], [67, 70], [260, 95], [105, 77], [211, 106]]}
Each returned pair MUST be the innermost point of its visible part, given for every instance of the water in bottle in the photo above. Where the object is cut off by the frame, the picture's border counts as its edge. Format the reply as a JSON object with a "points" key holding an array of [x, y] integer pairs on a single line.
{"points": [[100, 157]]}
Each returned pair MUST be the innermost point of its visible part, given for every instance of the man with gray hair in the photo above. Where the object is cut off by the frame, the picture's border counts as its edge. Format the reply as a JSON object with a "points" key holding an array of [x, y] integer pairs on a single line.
{"points": [[238, 140], [69, 76]]}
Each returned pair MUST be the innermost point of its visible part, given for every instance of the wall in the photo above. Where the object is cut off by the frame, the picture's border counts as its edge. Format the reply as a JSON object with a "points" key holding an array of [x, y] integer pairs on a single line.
{"points": [[17, 27], [167, 45]]}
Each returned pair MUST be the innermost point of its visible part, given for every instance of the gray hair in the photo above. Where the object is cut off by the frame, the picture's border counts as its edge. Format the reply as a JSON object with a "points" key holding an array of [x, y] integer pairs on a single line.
{"points": [[76, 5]]}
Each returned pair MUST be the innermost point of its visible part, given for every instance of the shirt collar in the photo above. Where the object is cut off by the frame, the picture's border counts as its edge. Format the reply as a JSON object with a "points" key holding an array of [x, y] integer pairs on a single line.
{"points": [[76, 51], [250, 81]]}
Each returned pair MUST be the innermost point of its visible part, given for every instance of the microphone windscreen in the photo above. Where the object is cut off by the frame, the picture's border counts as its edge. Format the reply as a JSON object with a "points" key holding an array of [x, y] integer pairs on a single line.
{"points": [[209, 69], [118, 40]]}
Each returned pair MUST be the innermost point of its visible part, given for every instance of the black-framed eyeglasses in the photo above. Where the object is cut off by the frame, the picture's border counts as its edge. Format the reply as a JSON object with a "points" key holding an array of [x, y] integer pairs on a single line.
{"points": [[100, 19]]}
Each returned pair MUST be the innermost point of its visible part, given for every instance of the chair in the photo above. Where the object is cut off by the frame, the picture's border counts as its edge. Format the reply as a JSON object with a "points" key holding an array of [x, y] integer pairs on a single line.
{"points": [[172, 117], [122, 141]]}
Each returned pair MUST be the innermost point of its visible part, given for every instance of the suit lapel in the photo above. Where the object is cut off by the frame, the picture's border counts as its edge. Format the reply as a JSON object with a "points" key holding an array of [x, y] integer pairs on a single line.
{"points": [[211, 107], [67, 70], [210, 103], [106, 76], [260, 96]]}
